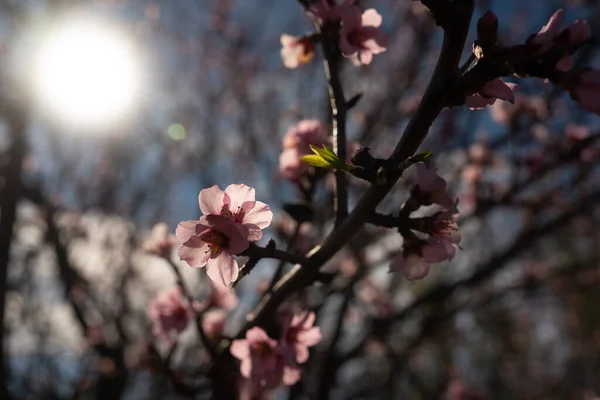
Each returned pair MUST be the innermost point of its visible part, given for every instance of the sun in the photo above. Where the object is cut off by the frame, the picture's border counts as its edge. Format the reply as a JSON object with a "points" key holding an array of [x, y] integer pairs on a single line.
{"points": [[87, 73]]}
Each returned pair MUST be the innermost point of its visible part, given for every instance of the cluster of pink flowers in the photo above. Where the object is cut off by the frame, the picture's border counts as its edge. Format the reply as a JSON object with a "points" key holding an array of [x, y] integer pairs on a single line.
{"points": [[170, 312], [583, 85], [296, 143], [232, 220], [441, 228], [359, 37], [268, 362]]}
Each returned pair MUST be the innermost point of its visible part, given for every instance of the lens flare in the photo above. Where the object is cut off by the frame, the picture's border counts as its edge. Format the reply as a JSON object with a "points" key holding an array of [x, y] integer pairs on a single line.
{"points": [[87, 74]]}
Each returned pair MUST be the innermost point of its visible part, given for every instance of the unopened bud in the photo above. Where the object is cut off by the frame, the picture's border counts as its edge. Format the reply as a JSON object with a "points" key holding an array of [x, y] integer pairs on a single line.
{"points": [[487, 28]]}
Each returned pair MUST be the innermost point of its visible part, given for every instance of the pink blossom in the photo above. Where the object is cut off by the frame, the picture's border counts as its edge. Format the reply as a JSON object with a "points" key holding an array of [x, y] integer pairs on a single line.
{"points": [[361, 37], [231, 220], [261, 360], [223, 297], [298, 335], [414, 262], [296, 51], [212, 242], [170, 312], [586, 91], [213, 323], [238, 204], [429, 188], [445, 230], [160, 242], [577, 132], [490, 92], [550, 35], [296, 143]]}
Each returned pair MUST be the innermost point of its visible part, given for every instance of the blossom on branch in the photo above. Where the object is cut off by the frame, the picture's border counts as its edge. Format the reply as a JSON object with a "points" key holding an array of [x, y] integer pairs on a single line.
{"points": [[296, 143], [161, 242], [445, 230], [170, 312], [429, 188], [262, 361], [550, 36], [232, 219], [360, 37], [490, 92], [296, 51], [415, 258], [299, 333]]}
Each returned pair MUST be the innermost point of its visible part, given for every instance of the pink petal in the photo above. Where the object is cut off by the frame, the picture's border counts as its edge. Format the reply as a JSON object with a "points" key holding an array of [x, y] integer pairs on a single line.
{"points": [[551, 29], [257, 335], [195, 252], [288, 40], [238, 194], [246, 368], [260, 215], [477, 102], [291, 375], [186, 229], [211, 200], [371, 18], [565, 64], [578, 30], [497, 88], [415, 267], [310, 337], [434, 251], [222, 269], [240, 349], [365, 57], [301, 353]]}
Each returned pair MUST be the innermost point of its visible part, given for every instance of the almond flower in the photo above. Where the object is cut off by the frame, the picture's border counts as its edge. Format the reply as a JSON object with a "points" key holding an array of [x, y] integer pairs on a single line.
{"points": [[445, 230], [232, 219], [429, 188], [160, 242], [414, 261], [213, 323], [299, 333], [296, 143], [361, 37], [296, 51], [170, 312], [490, 92], [550, 35], [261, 360]]}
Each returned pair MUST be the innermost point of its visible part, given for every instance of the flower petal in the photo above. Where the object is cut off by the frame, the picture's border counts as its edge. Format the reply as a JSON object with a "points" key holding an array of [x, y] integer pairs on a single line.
{"points": [[195, 252], [211, 200], [260, 215], [222, 269], [238, 194]]}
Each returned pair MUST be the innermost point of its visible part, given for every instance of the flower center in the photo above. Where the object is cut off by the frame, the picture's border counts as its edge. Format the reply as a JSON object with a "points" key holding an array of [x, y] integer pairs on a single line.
{"points": [[260, 349], [217, 241], [238, 216], [180, 313]]}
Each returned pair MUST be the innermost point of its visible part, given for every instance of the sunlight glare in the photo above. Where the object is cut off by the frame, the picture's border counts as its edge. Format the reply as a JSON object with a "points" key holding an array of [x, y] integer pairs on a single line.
{"points": [[87, 74]]}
